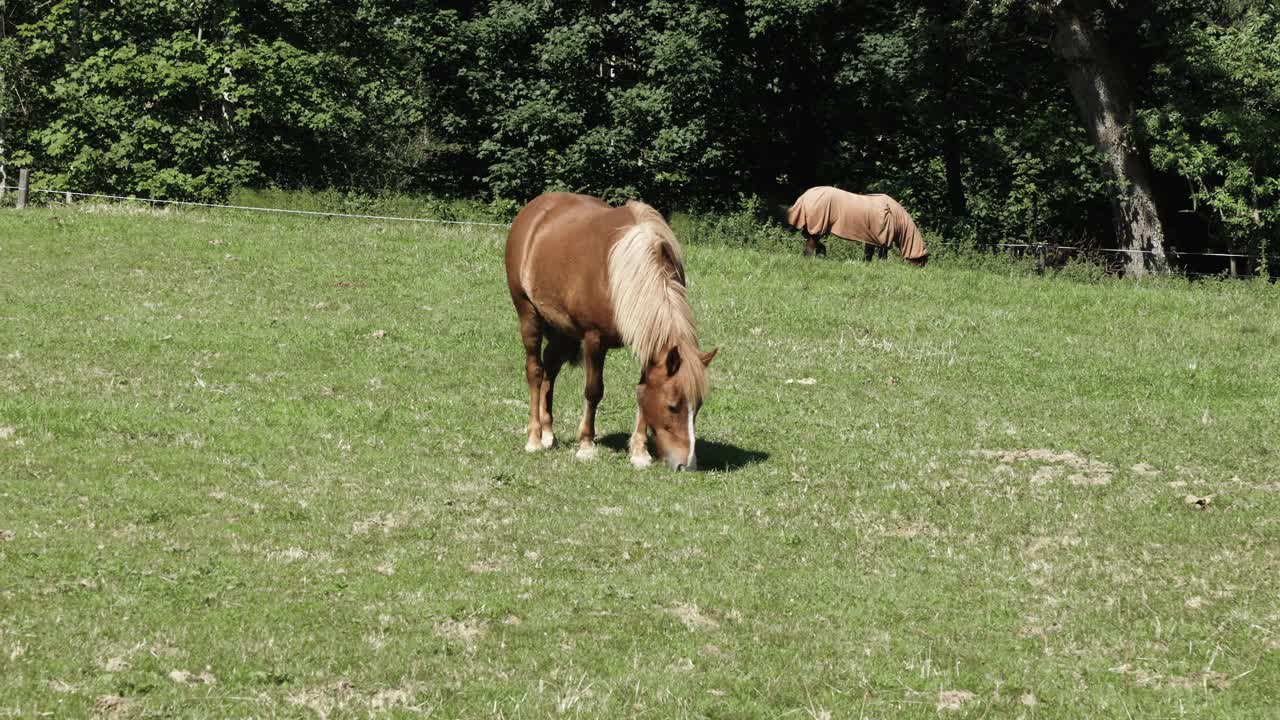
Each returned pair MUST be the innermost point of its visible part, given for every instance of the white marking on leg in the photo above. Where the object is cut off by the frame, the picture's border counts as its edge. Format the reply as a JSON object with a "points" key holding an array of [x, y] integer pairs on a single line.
{"points": [[639, 451], [586, 451], [693, 459], [532, 446], [548, 438]]}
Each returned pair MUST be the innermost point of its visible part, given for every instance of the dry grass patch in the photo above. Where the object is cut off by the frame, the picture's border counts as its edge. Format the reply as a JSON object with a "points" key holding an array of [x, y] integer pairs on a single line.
{"points": [[1054, 464], [692, 617]]}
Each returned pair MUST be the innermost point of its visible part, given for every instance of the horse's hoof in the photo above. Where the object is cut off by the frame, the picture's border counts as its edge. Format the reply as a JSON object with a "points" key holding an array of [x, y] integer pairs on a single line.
{"points": [[641, 461], [586, 452], [548, 439], [532, 446]]}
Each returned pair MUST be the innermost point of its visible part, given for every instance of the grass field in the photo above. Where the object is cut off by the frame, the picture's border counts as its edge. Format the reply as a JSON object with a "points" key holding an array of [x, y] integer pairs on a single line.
{"points": [[262, 466]]}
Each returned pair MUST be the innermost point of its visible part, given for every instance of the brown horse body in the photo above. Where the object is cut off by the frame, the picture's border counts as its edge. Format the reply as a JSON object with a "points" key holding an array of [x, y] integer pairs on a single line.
{"points": [[585, 276], [876, 220]]}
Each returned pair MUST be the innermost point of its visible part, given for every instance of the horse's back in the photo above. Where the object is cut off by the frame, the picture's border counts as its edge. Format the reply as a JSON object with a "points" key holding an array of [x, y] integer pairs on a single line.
{"points": [[557, 259], [825, 209]]}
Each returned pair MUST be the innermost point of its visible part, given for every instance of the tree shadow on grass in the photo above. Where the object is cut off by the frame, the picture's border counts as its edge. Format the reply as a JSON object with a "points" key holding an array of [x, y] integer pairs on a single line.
{"points": [[711, 454]]}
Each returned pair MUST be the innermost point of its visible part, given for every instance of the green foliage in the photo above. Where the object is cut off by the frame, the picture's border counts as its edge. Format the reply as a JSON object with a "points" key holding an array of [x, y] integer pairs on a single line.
{"points": [[189, 101], [749, 225], [132, 109], [958, 109], [621, 104], [1215, 123], [1082, 269], [390, 204]]}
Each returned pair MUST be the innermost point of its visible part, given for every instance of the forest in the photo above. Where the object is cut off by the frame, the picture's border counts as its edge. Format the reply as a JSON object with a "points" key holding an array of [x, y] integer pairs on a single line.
{"points": [[1143, 127]]}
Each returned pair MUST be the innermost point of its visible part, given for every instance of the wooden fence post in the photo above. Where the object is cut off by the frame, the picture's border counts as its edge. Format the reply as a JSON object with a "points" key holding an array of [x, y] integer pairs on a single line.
{"points": [[24, 183]]}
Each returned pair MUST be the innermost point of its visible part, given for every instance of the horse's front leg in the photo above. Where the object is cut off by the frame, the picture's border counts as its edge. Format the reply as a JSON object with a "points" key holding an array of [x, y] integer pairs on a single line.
{"points": [[813, 246], [593, 351], [639, 444]]}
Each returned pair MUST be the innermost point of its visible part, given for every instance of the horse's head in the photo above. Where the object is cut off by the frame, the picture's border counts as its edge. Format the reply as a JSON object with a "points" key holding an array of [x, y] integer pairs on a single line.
{"points": [[669, 396]]}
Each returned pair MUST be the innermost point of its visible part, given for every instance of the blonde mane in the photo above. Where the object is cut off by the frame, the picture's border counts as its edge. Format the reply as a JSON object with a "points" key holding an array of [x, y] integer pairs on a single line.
{"points": [[650, 306]]}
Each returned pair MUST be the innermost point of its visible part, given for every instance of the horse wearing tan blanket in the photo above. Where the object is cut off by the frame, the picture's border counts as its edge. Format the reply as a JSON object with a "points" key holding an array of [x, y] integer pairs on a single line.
{"points": [[876, 220]]}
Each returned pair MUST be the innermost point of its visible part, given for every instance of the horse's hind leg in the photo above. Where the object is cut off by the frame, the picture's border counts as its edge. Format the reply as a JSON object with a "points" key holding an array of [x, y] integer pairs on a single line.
{"points": [[531, 335], [558, 350], [593, 351]]}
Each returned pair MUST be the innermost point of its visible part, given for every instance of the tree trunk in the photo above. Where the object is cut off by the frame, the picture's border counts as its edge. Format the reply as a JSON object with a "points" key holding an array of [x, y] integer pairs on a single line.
{"points": [[1103, 104]]}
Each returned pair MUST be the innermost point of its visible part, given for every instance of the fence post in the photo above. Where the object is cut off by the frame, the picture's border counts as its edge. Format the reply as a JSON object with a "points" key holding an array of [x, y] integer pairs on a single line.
{"points": [[24, 182]]}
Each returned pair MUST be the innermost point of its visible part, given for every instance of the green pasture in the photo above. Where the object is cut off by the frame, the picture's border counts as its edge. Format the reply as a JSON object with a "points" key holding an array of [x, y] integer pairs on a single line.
{"points": [[262, 466]]}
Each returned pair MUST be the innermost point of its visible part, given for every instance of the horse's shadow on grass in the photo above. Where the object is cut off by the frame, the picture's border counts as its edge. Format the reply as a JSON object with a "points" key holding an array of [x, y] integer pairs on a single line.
{"points": [[711, 454]]}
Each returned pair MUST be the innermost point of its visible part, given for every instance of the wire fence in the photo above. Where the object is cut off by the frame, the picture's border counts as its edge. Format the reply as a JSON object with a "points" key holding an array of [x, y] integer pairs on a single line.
{"points": [[1126, 250], [1039, 248], [283, 211]]}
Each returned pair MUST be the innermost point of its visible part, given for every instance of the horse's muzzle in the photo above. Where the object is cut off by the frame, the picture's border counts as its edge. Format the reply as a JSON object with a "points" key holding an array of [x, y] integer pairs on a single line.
{"points": [[678, 466]]}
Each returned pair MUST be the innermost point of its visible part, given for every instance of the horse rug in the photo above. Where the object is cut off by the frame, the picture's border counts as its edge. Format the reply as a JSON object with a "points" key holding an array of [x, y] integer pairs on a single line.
{"points": [[873, 219]]}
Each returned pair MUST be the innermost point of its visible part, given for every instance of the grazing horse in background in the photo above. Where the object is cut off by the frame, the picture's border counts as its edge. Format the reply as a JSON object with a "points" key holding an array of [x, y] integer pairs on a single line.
{"points": [[876, 220], [588, 277]]}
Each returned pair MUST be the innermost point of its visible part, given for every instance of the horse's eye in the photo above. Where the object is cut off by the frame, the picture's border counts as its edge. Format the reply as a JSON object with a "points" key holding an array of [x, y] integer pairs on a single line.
{"points": [[674, 408]]}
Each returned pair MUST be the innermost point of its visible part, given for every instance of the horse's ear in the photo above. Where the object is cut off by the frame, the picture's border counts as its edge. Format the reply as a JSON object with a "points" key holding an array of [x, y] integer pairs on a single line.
{"points": [[708, 357], [673, 361]]}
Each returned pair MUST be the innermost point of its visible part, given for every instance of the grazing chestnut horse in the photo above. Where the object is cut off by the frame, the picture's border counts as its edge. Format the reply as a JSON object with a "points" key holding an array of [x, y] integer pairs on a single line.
{"points": [[876, 220], [586, 278]]}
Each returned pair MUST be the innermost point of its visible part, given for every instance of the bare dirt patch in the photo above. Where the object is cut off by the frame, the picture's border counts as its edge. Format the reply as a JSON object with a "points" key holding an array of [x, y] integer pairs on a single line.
{"points": [[1198, 680], [912, 530], [1053, 464], [390, 699], [323, 700], [1201, 680], [692, 617], [481, 567], [115, 665], [1199, 502], [1043, 543], [296, 554], [1144, 470], [110, 706], [954, 699], [1035, 628], [183, 677], [467, 632], [384, 522]]}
